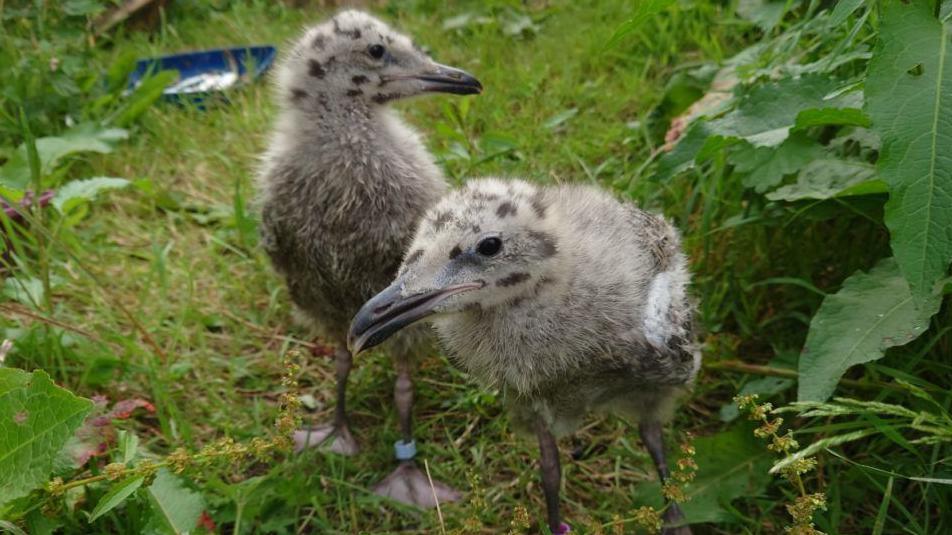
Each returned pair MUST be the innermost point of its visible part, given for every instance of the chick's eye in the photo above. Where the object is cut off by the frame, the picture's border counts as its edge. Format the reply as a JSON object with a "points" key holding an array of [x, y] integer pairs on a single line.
{"points": [[376, 51], [489, 246]]}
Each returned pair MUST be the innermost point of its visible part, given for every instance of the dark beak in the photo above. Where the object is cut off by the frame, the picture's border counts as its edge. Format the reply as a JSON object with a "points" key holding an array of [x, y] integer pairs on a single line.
{"points": [[388, 312], [446, 79]]}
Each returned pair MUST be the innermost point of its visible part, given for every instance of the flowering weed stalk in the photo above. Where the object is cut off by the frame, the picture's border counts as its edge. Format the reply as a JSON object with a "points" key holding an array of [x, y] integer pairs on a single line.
{"points": [[806, 504], [225, 449], [674, 490]]}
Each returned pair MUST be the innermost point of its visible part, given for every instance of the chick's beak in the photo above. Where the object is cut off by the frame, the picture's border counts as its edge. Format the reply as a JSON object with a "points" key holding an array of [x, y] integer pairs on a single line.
{"points": [[387, 312], [446, 79]]}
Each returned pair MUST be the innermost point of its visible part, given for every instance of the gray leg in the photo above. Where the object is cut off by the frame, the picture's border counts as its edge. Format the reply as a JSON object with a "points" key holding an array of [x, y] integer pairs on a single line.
{"points": [[407, 483], [651, 435], [403, 397], [335, 437], [551, 477]]}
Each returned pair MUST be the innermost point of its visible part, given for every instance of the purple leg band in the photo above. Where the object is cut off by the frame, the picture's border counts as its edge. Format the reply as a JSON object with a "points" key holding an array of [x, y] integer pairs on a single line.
{"points": [[564, 529]]}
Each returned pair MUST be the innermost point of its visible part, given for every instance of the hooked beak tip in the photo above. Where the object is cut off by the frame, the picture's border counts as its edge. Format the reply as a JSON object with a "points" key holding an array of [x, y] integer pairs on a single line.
{"points": [[388, 312], [451, 80]]}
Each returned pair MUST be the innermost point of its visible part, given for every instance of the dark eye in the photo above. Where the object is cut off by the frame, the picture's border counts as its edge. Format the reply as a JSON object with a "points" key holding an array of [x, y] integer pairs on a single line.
{"points": [[489, 246], [376, 51]]}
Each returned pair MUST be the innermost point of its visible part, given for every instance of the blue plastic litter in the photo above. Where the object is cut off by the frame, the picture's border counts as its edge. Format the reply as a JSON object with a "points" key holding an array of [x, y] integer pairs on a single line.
{"points": [[207, 72]]}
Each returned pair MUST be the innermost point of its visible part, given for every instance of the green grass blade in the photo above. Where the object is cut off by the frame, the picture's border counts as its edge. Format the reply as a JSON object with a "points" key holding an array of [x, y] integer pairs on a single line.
{"points": [[883, 509]]}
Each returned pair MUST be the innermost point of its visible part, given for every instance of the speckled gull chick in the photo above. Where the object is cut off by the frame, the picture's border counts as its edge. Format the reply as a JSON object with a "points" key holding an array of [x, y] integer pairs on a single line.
{"points": [[342, 185], [566, 299]]}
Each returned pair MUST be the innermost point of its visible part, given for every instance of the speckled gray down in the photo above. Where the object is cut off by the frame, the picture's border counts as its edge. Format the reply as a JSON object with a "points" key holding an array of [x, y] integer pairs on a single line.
{"points": [[585, 307], [344, 180]]}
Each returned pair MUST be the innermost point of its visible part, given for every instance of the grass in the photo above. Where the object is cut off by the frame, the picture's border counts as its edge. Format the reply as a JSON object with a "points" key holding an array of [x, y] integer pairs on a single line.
{"points": [[179, 253]]}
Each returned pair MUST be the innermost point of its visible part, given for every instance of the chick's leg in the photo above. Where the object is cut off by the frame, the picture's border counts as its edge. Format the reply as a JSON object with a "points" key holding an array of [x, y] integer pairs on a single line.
{"points": [[335, 437], [407, 483], [651, 435], [551, 471]]}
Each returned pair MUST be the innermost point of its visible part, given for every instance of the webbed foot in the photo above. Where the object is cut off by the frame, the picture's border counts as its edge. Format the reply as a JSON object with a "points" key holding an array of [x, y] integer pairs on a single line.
{"points": [[327, 437], [408, 484]]}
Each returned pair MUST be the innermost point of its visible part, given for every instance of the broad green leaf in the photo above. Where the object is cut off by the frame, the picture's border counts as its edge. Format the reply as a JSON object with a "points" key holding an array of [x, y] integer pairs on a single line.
{"points": [[681, 157], [12, 379], [15, 173], [36, 419], [176, 507], [765, 166], [909, 97], [828, 116], [825, 179], [867, 187], [681, 91], [77, 191], [116, 495], [712, 146], [731, 464], [865, 138], [766, 113], [38, 523], [871, 313]]}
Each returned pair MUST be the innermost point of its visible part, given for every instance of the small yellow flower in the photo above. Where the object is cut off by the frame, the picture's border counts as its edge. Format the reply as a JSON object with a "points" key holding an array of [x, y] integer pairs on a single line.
{"points": [[768, 428], [476, 500], [114, 471], [618, 525], [179, 460], [147, 468], [283, 443], [520, 520], [760, 412], [683, 477], [55, 486], [648, 518], [783, 444], [802, 509], [745, 401], [800, 466], [472, 525], [673, 492], [593, 527], [687, 464], [260, 448], [803, 530], [688, 449]]}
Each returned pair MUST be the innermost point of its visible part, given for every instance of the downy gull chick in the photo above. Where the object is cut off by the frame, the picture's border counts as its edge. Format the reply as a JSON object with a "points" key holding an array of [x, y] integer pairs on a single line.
{"points": [[564, 298], [342, 185]]}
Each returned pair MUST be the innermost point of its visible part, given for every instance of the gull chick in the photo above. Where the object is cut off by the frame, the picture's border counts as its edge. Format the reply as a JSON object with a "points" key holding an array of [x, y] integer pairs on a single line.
{"points": [[564, 298], [342, 185]]}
